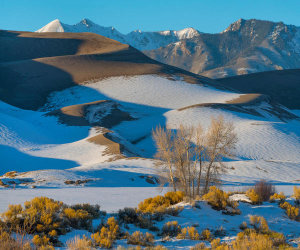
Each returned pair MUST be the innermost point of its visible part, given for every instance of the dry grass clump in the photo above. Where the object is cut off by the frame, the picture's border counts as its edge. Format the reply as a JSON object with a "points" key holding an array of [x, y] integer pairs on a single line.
{"points": [[9, 243], [250, 241], [171, 229], [160, 204], [279, 197], [47, 219], [107, 235], [157, 247], [199, 246], [138, 238], [291, 211], [78, 243]]}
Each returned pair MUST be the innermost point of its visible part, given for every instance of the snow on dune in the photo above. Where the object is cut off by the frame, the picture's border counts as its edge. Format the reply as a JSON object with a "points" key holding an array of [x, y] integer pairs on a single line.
{"points": [[267, 147], [148, 90], [258, 138], [31, 141]]}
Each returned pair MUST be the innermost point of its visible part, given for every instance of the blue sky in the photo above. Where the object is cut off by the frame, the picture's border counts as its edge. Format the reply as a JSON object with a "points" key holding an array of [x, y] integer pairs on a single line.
{"points": [[148, 15]]}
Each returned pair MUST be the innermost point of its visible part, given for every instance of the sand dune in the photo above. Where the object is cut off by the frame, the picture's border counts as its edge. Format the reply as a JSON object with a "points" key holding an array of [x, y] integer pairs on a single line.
{"points": [[250, 104], [32, 65], [283, 86], [104, 113]]}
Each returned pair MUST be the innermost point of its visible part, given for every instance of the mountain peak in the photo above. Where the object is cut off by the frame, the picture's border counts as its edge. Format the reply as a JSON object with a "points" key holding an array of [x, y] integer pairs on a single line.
{"points": [[187, 33], [54, 26], [87, 22], [235, 26]]}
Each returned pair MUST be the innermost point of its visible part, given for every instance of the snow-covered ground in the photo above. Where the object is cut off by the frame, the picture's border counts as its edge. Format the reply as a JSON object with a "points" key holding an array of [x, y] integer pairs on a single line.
{"points": [[267, 147]]}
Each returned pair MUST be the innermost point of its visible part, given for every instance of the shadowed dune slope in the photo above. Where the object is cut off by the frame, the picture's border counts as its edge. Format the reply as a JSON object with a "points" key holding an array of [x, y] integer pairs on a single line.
{"points": [[17, 45], [103, 113], [32, 65], [282, 86]]}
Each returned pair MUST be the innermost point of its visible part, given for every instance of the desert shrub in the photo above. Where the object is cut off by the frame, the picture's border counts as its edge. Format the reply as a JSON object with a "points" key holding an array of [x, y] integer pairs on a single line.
{"points": [[253, 196], [171, 228], [93, 210], [252, 241], [128, 215], [12, 216], [220, 232], [139, 219], [291, 211], [138, 238], [243, 226], [189, 233], [174, 197], [278, 239], [264, 190], [107, 235], [160, 204], [43, 216], [216, 244], [280, 197], [261, 227], [78, 218], [39, 215], [296, 195], [219, 200], [259, 223], [78, 243], [206, 234], [41, 240]]}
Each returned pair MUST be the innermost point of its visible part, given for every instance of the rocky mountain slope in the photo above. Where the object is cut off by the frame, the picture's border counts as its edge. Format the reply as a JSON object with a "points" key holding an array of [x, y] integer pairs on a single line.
{"points": [[246, 46]]}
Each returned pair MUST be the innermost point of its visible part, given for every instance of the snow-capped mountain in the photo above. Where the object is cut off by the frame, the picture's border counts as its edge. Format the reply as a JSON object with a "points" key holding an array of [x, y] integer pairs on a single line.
{"points": [[85, 25], [138, 39], [246, 46]]}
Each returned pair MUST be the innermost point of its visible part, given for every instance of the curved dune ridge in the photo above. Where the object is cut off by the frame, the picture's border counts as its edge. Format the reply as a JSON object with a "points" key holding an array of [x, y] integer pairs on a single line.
{"points": [[105, 113], [32, 65], [250, 104]]}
